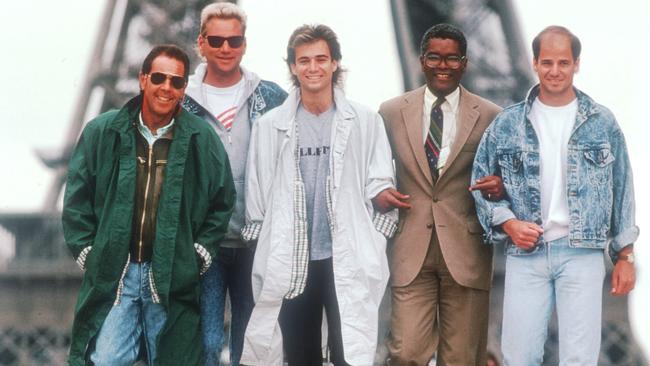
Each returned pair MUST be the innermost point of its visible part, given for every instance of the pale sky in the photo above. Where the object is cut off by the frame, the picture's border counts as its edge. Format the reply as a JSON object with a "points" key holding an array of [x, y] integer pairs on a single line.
{"points": [[47, 44]]}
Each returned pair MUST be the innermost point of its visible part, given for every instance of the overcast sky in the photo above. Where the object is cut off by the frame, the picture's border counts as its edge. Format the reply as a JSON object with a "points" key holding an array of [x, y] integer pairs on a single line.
{"points": [[46, 48]]}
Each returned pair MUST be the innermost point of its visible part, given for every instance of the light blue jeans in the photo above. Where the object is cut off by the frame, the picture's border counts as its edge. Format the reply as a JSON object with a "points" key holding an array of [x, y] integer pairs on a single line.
{"points": [[569, 278], [118, 341]]}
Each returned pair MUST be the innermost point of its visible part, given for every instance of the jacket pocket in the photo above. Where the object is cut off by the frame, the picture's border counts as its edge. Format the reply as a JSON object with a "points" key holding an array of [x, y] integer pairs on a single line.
{"points": [[599, 158], [512, 168]]}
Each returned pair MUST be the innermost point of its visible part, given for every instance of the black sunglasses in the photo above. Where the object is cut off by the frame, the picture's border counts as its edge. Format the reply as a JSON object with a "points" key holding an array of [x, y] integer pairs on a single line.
{"points": [[234, 41], [157, 78]]}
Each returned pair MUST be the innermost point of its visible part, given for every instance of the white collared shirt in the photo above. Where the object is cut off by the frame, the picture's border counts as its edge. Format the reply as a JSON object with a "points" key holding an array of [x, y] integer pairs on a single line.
{"points": [[148, 135], [449, 113]]}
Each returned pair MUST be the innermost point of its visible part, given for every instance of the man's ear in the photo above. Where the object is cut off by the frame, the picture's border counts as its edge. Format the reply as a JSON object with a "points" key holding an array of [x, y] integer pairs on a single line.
{"points": [[142, 80]]}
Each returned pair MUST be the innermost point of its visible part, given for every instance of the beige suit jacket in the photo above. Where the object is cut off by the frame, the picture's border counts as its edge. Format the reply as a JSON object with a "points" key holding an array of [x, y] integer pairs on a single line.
{"points": [[444, 207]]}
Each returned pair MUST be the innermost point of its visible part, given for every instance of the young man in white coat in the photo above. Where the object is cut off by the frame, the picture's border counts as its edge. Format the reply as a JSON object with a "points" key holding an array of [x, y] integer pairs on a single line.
{"points": [[316, 166]]}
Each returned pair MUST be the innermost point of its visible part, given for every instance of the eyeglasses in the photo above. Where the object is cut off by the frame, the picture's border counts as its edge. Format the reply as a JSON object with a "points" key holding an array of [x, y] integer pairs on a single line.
{"points": [[157, 78], [435, 60], [233, 41]]}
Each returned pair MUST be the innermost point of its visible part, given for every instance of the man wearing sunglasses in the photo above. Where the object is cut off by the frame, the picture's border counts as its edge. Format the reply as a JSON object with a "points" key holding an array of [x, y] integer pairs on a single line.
{"points": [[441, 271], [230, 98], [148, 198]]}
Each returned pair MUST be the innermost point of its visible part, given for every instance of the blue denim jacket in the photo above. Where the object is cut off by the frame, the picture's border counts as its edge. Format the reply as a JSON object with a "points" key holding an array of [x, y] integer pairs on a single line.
{"points": [[600, 192], [265, 97]]}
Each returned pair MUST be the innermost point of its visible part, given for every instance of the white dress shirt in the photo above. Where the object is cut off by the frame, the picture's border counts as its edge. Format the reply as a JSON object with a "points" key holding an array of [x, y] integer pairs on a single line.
{"points": [[449, 112]]}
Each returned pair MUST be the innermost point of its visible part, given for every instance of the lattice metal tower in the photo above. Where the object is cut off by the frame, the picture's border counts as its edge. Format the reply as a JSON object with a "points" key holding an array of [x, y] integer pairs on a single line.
{"points": [[499, 70]]}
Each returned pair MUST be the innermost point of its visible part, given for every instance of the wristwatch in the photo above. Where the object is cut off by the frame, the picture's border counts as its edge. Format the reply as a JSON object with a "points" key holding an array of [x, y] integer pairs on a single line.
{"points": [[627, 257]]}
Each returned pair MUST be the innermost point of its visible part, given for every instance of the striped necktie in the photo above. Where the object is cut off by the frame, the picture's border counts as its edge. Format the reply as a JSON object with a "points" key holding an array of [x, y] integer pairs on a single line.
{"points": [[434, 138]]}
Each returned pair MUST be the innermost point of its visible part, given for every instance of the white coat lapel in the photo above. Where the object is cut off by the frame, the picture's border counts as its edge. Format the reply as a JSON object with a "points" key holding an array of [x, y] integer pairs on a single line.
{"points": [[341, 127]]}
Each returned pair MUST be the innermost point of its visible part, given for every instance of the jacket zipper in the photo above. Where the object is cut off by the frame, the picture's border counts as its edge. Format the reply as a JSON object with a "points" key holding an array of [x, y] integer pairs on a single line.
{"points": [[146, 201]]}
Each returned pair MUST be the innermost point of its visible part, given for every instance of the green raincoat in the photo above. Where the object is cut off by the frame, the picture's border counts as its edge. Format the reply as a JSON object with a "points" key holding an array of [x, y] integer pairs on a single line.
{"points": [[195, 205]]}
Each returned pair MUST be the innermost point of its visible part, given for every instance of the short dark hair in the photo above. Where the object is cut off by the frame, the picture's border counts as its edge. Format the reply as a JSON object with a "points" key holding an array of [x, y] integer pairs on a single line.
{"points": [[444, 31], [576, 47], [309, 33], [171, 51]]}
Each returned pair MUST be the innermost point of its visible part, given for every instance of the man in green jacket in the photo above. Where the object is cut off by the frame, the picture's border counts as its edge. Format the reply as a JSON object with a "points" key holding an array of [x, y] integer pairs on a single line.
{"points": [[148, 198]]}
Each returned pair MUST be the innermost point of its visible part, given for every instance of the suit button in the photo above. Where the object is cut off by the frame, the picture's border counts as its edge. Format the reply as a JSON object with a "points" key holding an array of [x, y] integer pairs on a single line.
{"points": [[435, 199], [429, 226]]}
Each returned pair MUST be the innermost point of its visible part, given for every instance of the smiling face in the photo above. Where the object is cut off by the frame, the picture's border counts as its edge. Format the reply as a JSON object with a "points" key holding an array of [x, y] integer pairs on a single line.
{"points": [[223, 62], [314, 67], [555, 68], [442, 79], [159, 101]]}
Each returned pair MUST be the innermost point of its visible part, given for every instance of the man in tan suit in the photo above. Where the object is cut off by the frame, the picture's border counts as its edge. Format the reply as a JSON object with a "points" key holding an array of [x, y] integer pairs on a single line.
{"points": [[441, 270]]}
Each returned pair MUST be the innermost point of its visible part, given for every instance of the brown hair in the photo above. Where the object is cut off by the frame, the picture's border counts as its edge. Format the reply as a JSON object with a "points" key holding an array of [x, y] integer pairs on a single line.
{"points": [[310, 33]]}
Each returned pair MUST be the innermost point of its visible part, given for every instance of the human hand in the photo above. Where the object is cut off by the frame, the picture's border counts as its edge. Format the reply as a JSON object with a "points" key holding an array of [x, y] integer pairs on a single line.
{"points": [[390, 198], [623, 275], [523, 233], [491, 187]]}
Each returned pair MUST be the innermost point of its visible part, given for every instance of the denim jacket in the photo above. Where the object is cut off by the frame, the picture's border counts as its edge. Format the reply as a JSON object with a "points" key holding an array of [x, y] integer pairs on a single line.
{"points": [[255, 97], [600, 193], [266, 96]]}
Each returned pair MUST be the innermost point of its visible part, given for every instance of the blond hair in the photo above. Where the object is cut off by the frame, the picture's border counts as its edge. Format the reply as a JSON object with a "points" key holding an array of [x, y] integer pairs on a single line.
{"points": [[222, 10]]}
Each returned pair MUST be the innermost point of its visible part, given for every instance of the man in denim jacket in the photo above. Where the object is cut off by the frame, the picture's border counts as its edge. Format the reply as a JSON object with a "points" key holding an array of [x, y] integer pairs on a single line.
{"points": [[230, 98], [569, 188]]}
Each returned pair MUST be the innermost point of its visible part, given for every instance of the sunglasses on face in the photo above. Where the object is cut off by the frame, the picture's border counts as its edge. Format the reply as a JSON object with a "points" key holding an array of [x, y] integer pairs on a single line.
{"points": [[157, 78], [217, 41]]}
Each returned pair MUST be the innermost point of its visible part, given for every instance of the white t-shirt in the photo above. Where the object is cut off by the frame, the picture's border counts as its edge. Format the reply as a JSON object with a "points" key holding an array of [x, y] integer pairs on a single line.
{"points": [[553, 126], [222, 102]]}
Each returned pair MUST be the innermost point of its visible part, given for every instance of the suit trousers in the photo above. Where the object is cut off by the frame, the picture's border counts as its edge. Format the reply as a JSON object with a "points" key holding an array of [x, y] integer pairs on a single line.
{"points": [[435, 315]]}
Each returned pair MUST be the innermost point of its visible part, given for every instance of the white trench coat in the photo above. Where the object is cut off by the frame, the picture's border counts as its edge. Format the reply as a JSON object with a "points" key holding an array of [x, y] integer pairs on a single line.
{"points": [[360, 168]]}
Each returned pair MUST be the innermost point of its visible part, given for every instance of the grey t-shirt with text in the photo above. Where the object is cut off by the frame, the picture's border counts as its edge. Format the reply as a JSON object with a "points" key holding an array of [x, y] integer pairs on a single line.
{"points": [[314, 132]]}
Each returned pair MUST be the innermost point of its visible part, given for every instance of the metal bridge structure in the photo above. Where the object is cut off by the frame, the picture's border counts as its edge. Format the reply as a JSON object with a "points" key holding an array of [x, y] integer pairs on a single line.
{"points": [[39, 280]]}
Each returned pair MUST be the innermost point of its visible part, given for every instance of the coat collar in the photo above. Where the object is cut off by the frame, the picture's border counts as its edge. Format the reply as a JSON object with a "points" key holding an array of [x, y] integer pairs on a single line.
{"points": [[412, 109], [412, 118], [341, 128], [195, 85], [288, 109], [586, 105], [127, 117]]}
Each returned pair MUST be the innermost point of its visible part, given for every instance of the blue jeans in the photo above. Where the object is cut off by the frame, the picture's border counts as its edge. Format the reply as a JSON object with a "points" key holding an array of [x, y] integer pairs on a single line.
{"points": [[231, 273], [118, 341], [569, 278]]}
